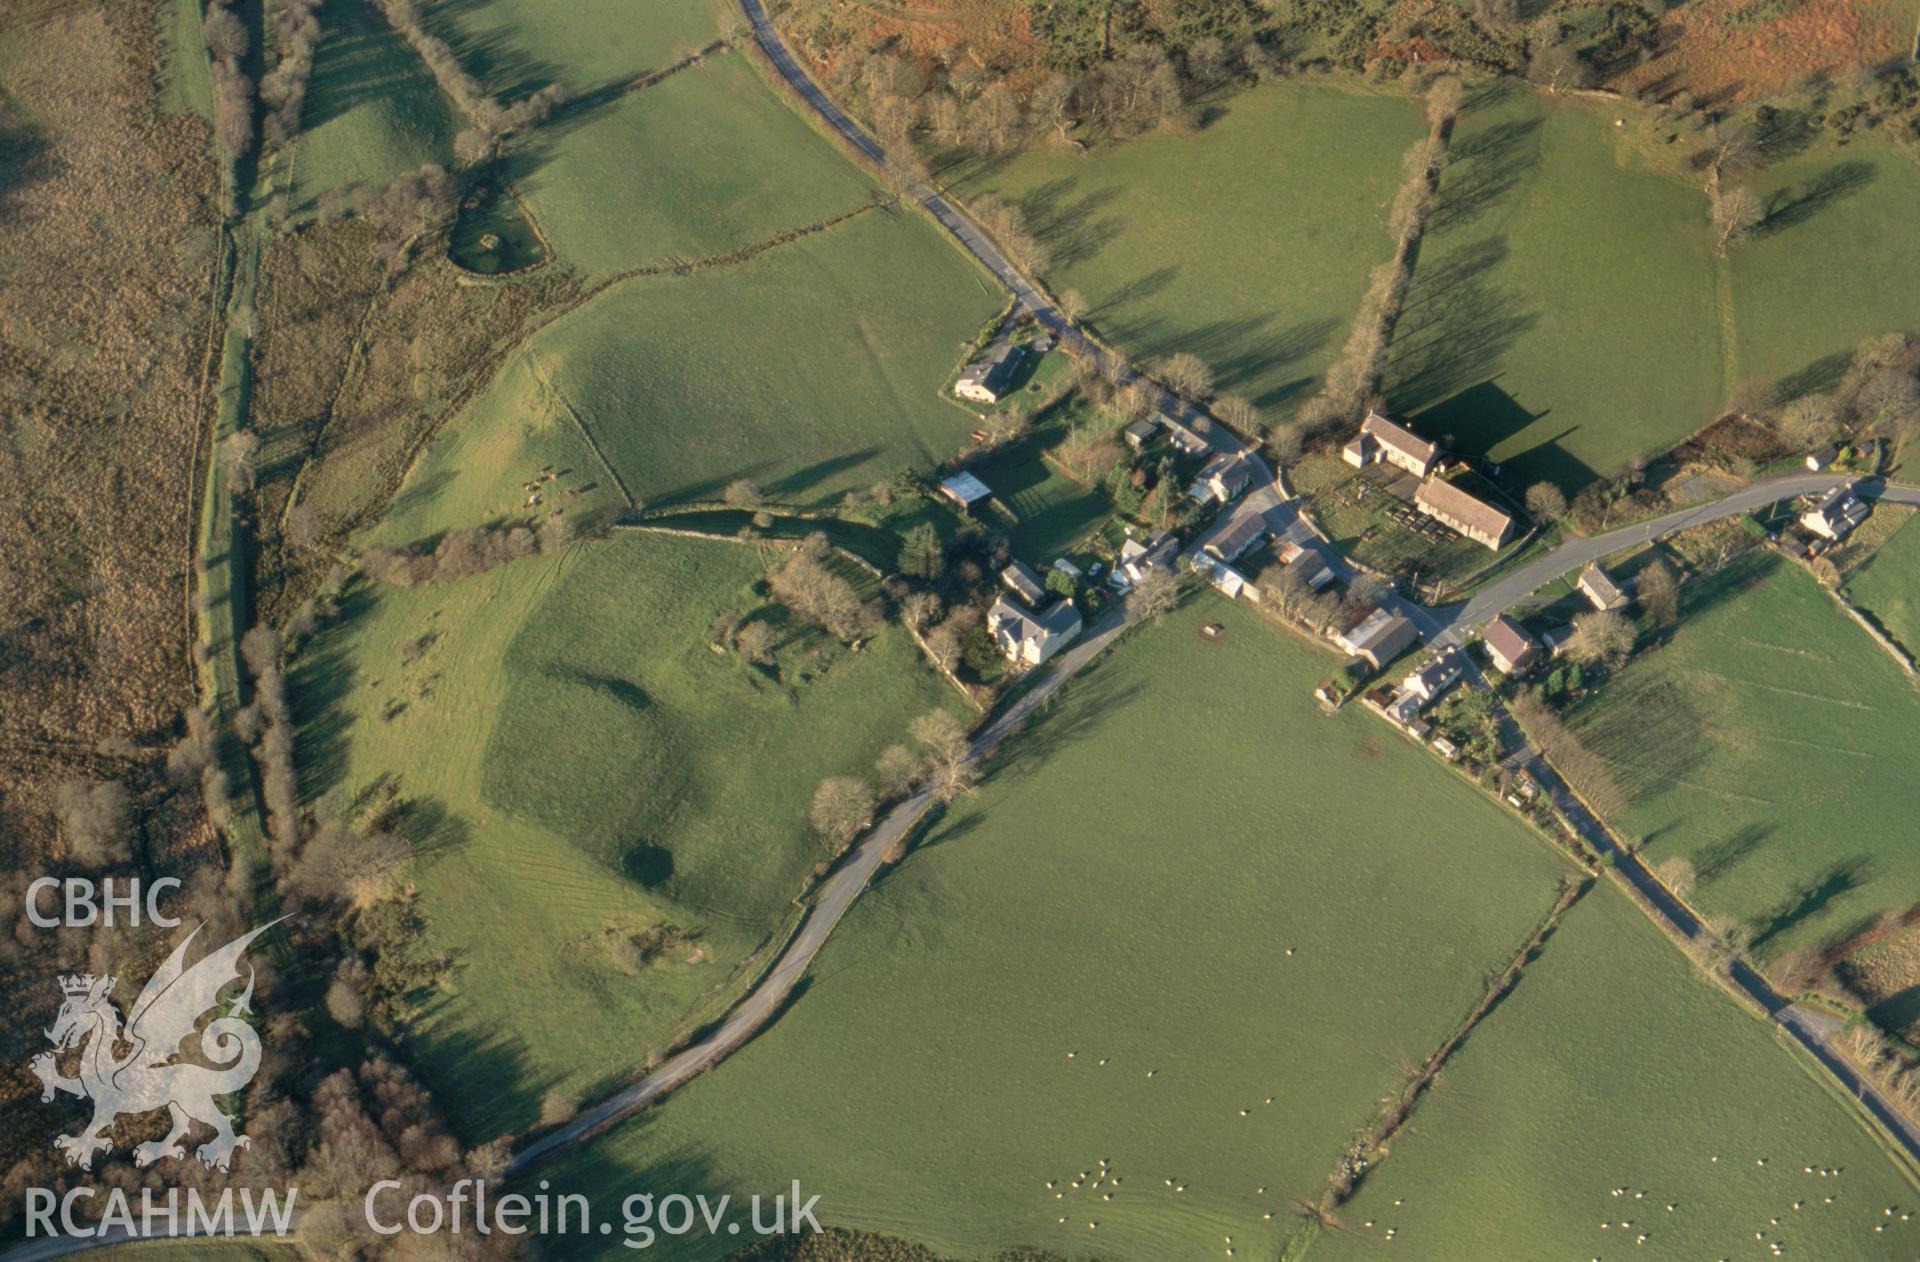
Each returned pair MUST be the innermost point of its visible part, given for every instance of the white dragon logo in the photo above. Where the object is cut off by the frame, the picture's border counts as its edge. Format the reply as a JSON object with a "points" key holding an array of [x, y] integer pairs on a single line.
{"points": [[146, 1079]]}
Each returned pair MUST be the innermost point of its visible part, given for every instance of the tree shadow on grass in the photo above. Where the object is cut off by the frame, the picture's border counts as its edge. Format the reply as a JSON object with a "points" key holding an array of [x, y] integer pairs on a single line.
{"points": [[807, 479], [1137, 289], [1243, 360], [1077, 712], [483, 1078], [1813, 898], [506, 71], [1790, 207], [1455, 328], [1899, 1011], [1240, 350], [1484, 416], [1733, 579], [647, 865], [23, 160], [1722, 857], [605, 1179], [1483, 168], [1068, 224], [1819, 377], [361, 58], [419, 491], [322, 676], [788, 488], [941, 827], [624, 691], [431, 829]]}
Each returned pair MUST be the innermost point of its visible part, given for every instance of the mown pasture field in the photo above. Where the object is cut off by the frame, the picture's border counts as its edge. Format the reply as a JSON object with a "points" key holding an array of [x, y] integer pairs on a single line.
{"points": [[476, 469], [810, 368], [1832, 265], [373, 111], [703, 163], [1187, 877], [584, 771], [1769, 744], [1887, 586], [1046, 512], [516, 47], [1562, 317], [1248, 243], [1569, 313], [1615, 1065], [182, 73]]}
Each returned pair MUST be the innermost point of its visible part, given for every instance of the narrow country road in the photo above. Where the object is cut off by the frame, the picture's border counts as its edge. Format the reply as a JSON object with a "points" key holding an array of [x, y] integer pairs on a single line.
{"points": [[976, 242], [971, 238], [1453, 624], [1457, 623], [1812, 1030], [837, 893]]}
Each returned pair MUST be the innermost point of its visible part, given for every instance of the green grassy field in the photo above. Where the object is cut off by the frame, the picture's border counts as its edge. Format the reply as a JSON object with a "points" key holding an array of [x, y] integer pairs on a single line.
{"points": [[516, 47], [810, 368], [1562, 317], [1825, 273], [1770, 743], [1887, 586], [1186, 876], [373, 111], [185, 85], [1247, 244], [1615, 1065], [1051, 512], [582, 767], [476, 469], [701, 164]]}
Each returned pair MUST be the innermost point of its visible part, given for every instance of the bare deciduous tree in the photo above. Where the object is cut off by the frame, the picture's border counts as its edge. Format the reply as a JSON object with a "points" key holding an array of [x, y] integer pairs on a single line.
{"points": [[1658, 591], [842, 808], [1677, 874], [1154, 596], [754, 641], [1546, 502], [1238, 414], [1558, 64], [921, 610], [1186, 374], [556, 1106], [1603, 636], [346, 997], [193, 751], [354, 869], [815, 593], [948, 765], [896, 770], [1443, 99], [1288, 587], [1585, 770], [1285, 443], [97, 819], [237, 453], [1737, 213], [1807, 421]]}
